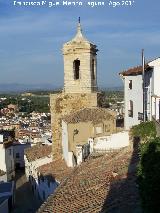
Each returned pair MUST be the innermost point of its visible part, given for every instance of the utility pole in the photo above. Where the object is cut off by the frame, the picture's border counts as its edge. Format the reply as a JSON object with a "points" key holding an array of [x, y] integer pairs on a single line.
{"points": [[143, 82]]}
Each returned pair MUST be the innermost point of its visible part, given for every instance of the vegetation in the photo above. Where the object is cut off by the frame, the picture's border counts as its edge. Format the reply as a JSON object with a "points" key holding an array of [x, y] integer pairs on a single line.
{"points": [[149, 175], [27, 104], [148, 170], [145, 131]]}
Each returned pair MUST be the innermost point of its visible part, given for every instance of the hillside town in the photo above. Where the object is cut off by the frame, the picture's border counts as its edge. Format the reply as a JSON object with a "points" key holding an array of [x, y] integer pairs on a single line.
{"points": [[81, 156]]}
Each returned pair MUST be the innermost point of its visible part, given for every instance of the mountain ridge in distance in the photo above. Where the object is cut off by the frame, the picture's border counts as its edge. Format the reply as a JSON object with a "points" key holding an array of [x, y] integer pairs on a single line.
{"points": [[16, 87]]}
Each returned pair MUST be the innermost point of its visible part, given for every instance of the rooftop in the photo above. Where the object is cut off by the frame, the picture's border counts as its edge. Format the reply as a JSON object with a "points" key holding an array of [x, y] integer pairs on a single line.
{"points": [[104, 184], [134, 70], [56, 170], [38, 151], [95, 115]]}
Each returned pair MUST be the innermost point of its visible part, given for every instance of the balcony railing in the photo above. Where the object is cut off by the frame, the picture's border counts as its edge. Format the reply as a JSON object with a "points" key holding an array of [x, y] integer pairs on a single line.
{"points": [[130, 113]]}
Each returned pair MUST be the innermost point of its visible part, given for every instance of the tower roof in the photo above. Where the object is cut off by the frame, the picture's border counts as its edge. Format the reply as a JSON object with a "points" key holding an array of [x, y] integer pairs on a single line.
{"points": [[79, 37]]}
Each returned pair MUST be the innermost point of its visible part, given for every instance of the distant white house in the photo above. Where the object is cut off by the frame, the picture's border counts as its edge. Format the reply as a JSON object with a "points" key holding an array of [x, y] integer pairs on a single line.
{"points": [[19, 154], [141, 93]]}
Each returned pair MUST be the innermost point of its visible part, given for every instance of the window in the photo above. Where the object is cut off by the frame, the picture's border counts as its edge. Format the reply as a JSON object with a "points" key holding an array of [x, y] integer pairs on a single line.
{"points": [[17, 155], [93, 69], [130, 84], [98, 130], [140, 116], [130, 111], [76, 69]]}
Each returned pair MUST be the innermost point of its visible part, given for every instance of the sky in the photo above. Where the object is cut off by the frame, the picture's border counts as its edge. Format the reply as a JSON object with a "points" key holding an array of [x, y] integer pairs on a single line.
{"points": [[31, 39]]}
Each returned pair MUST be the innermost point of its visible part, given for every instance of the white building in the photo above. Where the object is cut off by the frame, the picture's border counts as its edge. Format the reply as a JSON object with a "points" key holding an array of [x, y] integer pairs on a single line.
{"points": [[43, 174], [35, 157], [3, 176], [142, 102], [19, 154], [49, 177], [7, 159]]}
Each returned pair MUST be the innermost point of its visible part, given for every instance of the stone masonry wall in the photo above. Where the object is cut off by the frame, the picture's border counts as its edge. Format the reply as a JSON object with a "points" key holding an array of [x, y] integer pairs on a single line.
{"points": [[63, 104]]}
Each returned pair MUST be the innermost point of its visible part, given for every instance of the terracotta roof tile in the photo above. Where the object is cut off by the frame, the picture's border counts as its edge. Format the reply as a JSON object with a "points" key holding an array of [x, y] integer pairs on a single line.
{"points": [[95, 115], [89, 186], [55, 170], [38, 151], [134, 71]]}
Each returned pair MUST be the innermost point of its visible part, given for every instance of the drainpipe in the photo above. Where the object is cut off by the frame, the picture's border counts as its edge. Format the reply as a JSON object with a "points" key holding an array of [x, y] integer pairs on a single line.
{"points": [[143, 82]]}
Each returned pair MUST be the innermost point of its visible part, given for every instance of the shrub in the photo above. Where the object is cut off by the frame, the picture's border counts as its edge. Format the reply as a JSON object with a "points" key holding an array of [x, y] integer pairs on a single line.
{"points": [[145, 131], [149, 175]]}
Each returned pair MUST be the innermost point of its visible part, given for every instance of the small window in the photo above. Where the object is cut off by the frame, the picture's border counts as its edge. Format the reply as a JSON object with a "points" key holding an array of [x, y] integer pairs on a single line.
{"points": [[130, 111], [130, 84], [98, 130], [76, 68], [140, 116], [93, 69]]}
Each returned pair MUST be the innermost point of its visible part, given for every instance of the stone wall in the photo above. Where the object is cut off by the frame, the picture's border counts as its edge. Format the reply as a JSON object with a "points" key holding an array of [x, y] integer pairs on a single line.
{"points": [[63, 104]]}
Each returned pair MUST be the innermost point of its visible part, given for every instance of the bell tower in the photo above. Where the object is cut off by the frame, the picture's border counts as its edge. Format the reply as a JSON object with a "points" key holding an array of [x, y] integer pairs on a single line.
{"points": [[80, 84], [80, 64]]}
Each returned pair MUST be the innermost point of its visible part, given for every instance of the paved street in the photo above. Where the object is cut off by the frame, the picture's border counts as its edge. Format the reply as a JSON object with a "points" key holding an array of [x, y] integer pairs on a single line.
{"points": [[24, 199]]}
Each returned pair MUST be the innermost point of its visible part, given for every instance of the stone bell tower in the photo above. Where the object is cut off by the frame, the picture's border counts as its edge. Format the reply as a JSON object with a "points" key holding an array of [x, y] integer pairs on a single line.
{"points": [[80, 85], [80, 64]]}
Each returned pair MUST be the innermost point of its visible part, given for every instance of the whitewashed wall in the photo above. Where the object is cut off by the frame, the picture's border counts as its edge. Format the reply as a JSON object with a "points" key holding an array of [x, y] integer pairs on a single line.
{"points": [[156, 76], [19, 148], [136, 95], [31, 167], [1, 138], [9, 157], [4, 207], [3, 178], [7, 161], [2, 158], [114, 141], [65, 143]]}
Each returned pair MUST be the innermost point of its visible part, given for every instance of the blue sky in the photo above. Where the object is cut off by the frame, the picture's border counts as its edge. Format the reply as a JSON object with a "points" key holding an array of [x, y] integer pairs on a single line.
{"points": [[31, 39]]}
